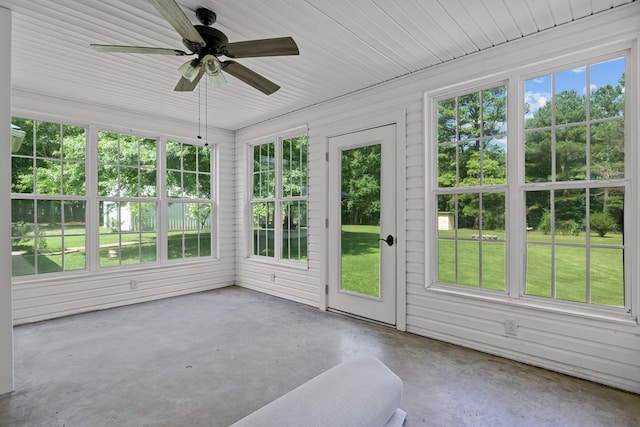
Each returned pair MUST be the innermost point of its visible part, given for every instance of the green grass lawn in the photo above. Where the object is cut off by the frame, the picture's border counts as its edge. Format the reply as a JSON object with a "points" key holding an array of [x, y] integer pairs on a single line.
{"points": [[361, 259], [606, 265]]}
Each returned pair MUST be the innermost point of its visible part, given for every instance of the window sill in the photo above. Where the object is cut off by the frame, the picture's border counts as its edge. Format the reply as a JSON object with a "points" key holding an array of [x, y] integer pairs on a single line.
{"points": [[601, 314], [302, 265]]}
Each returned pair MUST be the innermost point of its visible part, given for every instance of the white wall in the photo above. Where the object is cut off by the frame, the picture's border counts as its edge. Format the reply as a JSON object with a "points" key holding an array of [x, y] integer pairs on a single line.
{"points": [[38, 298], [6, 322], [599, 349]]}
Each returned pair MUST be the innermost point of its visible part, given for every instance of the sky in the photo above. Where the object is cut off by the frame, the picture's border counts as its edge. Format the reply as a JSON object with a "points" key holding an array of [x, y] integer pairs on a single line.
{"points": [[538, 90]]}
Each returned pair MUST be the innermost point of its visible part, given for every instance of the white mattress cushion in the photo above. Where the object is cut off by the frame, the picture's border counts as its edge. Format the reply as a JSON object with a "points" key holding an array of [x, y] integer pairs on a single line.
{"points": [[361, 392]]}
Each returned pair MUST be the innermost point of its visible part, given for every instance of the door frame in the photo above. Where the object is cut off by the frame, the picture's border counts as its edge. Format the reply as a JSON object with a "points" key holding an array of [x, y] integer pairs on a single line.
{"points": [[355, 124]]}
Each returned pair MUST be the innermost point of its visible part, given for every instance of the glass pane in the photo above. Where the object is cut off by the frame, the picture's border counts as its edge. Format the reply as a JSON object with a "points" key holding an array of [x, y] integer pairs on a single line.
{"points": [[469, 263], [539, 270], [538, 216], [607, 89], [75, 254], [74, 143], [493, 215], [537, 157], [128, 154], [294, 167], [607, 277], [606, 218], [129, 182], [173, 155], [25, 148], [570, 104], [49, 214], [190, 185], [107, 148], [263, 229], [571, 274], [537, 108], [360, 220], [205, 244], [175, 226], [48, 177], [149, 247], [446, 215], [494, 162], [74, 178], [22, 256], [107, 181], [204, 159], [493, 265], [175, 244], [571, 153], [607, 150], [447, 171], [48, 140], [570, 216], [130, 252], [22, 177], [446, 261], [22, 218], [447, 122], [204, 186], [468, 215], [294, 230], [147, 152], [469, 116], [174, 184], [148, 185], [189, 157], [148, 218], [494, 111], [469, 164]]}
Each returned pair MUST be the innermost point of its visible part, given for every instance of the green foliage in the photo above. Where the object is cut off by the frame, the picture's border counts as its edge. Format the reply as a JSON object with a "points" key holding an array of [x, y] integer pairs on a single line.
{"points": [[602, 223], [545, 222], [361, 185]]}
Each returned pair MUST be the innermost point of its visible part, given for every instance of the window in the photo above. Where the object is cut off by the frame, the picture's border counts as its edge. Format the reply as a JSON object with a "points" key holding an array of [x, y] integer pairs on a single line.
{"points": [[279, 199], [471, 151], [575, 184], [563, 191], [190, 208], [48, 192], [127, 199]]}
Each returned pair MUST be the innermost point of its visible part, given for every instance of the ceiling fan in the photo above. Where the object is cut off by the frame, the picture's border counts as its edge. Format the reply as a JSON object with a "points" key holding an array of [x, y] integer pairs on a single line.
{"points": [[208, 44]]}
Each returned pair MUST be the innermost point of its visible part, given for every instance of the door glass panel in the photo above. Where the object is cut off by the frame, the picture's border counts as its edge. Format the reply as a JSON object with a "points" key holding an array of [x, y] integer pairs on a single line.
{"points": [[360, 220]]}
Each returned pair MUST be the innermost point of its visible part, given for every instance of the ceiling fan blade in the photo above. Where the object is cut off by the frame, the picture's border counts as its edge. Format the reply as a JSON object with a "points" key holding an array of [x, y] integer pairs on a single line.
{"points": [[185, 85], [250, 77], [137, 49], [170, 11], [263, 47]]}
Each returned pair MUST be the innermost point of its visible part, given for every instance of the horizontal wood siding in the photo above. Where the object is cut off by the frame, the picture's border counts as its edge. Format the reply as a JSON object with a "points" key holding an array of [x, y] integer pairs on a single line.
{"points": [[43, 297], [598, 349]]}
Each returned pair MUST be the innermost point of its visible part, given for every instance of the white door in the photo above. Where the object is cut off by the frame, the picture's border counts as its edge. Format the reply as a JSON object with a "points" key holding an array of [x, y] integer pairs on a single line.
{"points": [[362, 224]]}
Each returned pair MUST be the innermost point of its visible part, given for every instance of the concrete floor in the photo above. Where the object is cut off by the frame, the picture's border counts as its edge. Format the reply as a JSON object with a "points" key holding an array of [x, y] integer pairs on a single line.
{"points": [[209, 359]]}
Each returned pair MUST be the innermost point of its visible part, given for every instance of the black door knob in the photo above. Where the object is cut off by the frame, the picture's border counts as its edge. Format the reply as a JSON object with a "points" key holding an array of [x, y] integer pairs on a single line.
{"points": [[389, 240]]}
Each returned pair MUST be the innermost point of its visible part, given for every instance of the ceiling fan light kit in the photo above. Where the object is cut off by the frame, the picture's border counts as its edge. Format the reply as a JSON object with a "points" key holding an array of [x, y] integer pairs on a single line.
{"points": [[209, 44]]}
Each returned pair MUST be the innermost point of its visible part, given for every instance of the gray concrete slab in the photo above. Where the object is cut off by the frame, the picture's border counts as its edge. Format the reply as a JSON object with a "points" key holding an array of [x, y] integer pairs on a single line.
{"points": [[208, 359]]}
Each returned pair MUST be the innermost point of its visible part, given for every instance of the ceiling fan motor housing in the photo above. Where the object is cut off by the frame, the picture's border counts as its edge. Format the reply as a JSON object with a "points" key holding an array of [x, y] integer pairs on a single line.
{"points": [[215, 41]]}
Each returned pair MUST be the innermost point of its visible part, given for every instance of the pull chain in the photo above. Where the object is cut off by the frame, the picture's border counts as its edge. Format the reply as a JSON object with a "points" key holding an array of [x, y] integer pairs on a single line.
{"points": [[199, 115]]}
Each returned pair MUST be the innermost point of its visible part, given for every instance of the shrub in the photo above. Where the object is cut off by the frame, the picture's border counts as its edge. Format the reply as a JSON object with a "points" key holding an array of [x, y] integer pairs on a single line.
{"points": [[545, 222], [602, 223]]}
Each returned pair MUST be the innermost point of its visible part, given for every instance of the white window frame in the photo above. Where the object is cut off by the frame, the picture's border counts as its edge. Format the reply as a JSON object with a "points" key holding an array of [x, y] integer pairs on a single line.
{"points": [[278, 198], [165, 200], [515, 218]]}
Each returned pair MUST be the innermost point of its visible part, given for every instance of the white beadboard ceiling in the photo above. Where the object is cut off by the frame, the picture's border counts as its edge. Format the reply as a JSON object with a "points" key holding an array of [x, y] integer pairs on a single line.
{"points": [[345, 46]]}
